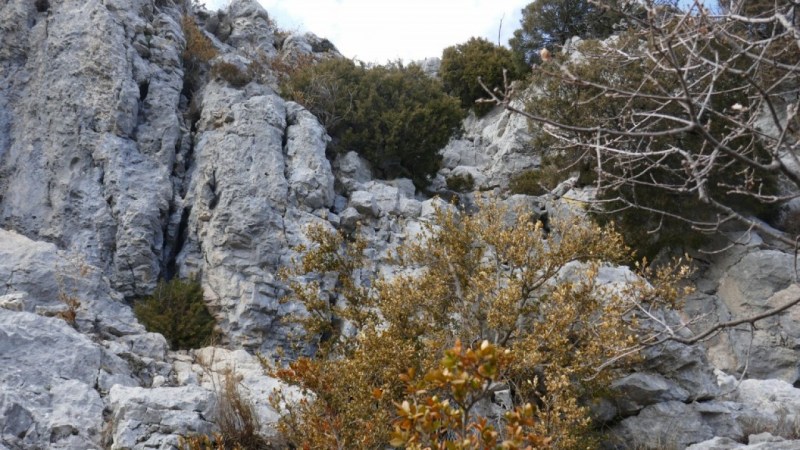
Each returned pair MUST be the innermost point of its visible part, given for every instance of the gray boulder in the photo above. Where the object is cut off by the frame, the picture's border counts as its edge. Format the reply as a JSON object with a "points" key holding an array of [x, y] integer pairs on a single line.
{"points": [[49, 380], [156, 418], [758, 281]]}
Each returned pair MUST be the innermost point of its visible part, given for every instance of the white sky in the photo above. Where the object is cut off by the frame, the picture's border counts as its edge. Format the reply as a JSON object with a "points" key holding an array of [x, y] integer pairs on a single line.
{"points": [[383, 30]]}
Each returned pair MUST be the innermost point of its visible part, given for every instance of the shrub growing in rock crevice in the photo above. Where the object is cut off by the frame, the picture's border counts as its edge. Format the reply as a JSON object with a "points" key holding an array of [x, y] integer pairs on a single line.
{"points": [[395, 116], [199, 51], [461, 183], [177, 310]]}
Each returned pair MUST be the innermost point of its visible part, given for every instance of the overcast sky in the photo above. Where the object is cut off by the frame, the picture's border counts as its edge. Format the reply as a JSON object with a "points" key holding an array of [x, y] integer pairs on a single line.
{"points": [[383, 30]]}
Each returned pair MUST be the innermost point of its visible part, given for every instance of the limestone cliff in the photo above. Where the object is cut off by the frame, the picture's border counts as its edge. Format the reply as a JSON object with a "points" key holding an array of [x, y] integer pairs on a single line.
{"points": [[115, 172]]}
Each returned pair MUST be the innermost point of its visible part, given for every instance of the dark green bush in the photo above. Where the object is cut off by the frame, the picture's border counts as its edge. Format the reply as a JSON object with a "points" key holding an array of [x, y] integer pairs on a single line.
{"points": [[462, 65], [550, 23], [231, 74], [395, 116], [535, 181], [177, 310]]}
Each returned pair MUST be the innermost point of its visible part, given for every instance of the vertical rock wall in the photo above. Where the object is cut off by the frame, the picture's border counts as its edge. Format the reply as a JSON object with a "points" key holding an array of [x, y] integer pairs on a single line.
{"points": [[91, 129]]}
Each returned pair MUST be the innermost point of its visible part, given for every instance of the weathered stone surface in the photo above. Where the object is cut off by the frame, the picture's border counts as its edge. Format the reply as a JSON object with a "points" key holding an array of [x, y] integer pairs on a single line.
{"points": [[497, 145], [209, 367], [259, 178], [664, 424], [686, 366], [638, 390], [250, 28], [143, 418], [86, 159], [364, 203], [777, 403], [352, 170], [48, 378], [755, 282], [310, 176], [763, 441]]}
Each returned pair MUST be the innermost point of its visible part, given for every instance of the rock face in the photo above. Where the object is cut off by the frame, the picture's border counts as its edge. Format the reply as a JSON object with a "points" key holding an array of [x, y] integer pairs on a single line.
{"points": [[49, 372], [745, 281], [116, 170], [91, 129], [154, 418], [492, 149], [259, 177]]}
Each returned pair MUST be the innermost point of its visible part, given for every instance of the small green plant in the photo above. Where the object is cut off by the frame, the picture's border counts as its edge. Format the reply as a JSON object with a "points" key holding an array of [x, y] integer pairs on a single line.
{"points": [[535, 181], [177, 310], [231, 73], [461, 183]]}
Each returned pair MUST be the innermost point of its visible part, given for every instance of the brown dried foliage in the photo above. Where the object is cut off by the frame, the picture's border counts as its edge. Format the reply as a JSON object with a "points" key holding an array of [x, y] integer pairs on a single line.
{"points": [[467, 278]]}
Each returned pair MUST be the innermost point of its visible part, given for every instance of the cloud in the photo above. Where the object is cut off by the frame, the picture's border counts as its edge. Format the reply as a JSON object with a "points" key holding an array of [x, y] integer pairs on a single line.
{"points": [[378, 31]]}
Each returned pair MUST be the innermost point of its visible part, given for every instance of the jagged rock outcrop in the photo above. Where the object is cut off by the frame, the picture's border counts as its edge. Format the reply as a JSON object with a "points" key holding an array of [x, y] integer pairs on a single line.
{"points": [[157, 417], [753, 411], [58, 360], [50, 376], [761, 441], [259, 177], [492, 149]]}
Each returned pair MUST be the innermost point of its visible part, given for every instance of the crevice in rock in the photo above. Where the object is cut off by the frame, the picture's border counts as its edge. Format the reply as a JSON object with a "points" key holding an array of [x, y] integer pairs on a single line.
{"points": [[177, 223], [144, 88], [42, 5], [212, 186], [171, 266]]}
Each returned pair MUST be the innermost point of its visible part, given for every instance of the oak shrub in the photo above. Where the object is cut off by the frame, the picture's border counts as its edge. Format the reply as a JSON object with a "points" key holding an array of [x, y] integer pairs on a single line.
{"points": [[176, 309], [395, 116], [494, 276]]}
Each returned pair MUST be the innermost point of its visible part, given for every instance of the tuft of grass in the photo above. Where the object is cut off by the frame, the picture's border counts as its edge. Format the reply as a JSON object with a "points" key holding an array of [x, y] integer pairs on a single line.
{"points": [[231, 74], [237, 417]]}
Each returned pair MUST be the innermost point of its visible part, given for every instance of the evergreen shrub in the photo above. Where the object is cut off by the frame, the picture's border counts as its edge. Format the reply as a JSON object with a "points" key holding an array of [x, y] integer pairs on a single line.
{"points": [[176, 309], [462, 65], [395, 116]]}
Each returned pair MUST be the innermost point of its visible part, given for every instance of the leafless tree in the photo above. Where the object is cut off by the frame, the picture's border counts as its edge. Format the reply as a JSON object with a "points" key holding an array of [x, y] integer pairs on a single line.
{"points": [[693, 104]]}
